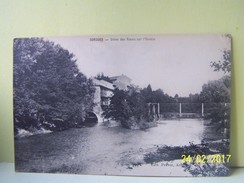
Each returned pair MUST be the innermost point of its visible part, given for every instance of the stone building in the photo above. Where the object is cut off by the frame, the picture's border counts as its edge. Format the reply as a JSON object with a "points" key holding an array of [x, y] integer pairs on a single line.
{"points": [[104, 92], [102, 95]]}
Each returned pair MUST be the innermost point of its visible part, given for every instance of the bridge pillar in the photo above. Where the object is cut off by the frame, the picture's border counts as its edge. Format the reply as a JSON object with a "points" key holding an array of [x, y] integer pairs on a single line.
{"points": [[149, 108], [180, 110], [153, 109], [158, 110], [202, 109]]}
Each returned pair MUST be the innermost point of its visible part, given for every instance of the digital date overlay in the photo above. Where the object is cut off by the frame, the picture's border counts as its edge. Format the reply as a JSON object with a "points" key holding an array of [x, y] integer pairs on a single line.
{"points": [[202, 159]]}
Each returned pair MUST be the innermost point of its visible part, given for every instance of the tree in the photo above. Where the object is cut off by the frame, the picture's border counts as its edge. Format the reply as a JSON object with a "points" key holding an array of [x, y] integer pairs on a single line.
{"points": [[49, 90], [119, 108], [224, 64], [147, 93], [129, 108], [217, 93], [216, 96], [158, 96], [138, 104], [219, 90]]}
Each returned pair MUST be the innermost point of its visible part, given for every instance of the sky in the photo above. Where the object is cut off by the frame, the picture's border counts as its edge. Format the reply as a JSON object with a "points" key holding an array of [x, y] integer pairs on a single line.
{"points": [[177, 64]]}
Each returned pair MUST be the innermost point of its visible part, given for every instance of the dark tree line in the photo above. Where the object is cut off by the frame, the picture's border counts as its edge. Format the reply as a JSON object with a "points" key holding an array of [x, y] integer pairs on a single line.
{"points": [[217, 93], [49, 90]]}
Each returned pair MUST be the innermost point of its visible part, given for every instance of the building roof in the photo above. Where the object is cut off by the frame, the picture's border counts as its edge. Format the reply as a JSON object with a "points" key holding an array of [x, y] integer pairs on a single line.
{"points": [[122, 75], [103, 83]]}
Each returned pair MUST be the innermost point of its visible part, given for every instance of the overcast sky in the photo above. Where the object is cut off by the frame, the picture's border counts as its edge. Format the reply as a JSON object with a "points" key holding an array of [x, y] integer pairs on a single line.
{"points": [[178, 64]]}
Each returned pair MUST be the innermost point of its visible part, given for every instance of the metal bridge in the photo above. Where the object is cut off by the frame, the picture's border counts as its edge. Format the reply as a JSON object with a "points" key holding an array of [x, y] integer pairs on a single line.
{"points": [[182, 110]]}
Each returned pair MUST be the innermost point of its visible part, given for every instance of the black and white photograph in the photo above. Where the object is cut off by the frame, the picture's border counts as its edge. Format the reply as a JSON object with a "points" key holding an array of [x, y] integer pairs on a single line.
{"points": [[131, 105]]}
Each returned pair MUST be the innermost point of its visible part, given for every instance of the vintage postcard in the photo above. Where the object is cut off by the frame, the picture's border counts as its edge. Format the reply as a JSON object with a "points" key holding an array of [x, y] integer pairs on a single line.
{"points": [[135, 105]]}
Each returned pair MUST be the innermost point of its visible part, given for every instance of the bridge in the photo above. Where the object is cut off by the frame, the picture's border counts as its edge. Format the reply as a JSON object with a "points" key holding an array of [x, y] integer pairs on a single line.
{"points": [[182, 110], [160, 110]]}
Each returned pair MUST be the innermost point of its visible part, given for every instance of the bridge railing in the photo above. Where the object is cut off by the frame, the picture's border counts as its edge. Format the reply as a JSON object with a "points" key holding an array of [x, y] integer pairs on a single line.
{"points": [[190, 110]]}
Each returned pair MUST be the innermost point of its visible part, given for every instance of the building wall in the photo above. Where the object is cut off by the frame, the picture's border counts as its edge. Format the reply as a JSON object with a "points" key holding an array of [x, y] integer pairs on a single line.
{"points": [[97, 100], [102, 95]]}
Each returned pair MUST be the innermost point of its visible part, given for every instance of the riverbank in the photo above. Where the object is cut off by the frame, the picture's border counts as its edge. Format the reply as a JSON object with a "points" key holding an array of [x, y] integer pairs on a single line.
{"points": [[171, 159], [19, 133], [30, 132]]}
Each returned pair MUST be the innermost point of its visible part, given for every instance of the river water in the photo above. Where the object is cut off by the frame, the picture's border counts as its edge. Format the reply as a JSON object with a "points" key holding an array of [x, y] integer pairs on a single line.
{"points": [[105, 150]]}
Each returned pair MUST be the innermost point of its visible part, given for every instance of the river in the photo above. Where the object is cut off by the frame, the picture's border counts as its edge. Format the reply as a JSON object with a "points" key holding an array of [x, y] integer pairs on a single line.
{"points": [[105, 150]]}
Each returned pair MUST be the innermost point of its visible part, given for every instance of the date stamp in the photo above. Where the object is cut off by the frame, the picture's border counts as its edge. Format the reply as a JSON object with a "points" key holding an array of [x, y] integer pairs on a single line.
{"points": [[202, 159]]}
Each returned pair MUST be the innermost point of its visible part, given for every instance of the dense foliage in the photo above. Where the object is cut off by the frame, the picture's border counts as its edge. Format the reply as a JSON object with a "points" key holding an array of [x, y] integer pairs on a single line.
{"points": [[217, 91], [127, 107], [131, 107], [217, 94], [49, 90]]}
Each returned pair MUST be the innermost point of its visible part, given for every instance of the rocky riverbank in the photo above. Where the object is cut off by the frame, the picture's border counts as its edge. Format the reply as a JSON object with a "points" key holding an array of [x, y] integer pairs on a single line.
{"points": [[167, 156]]}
